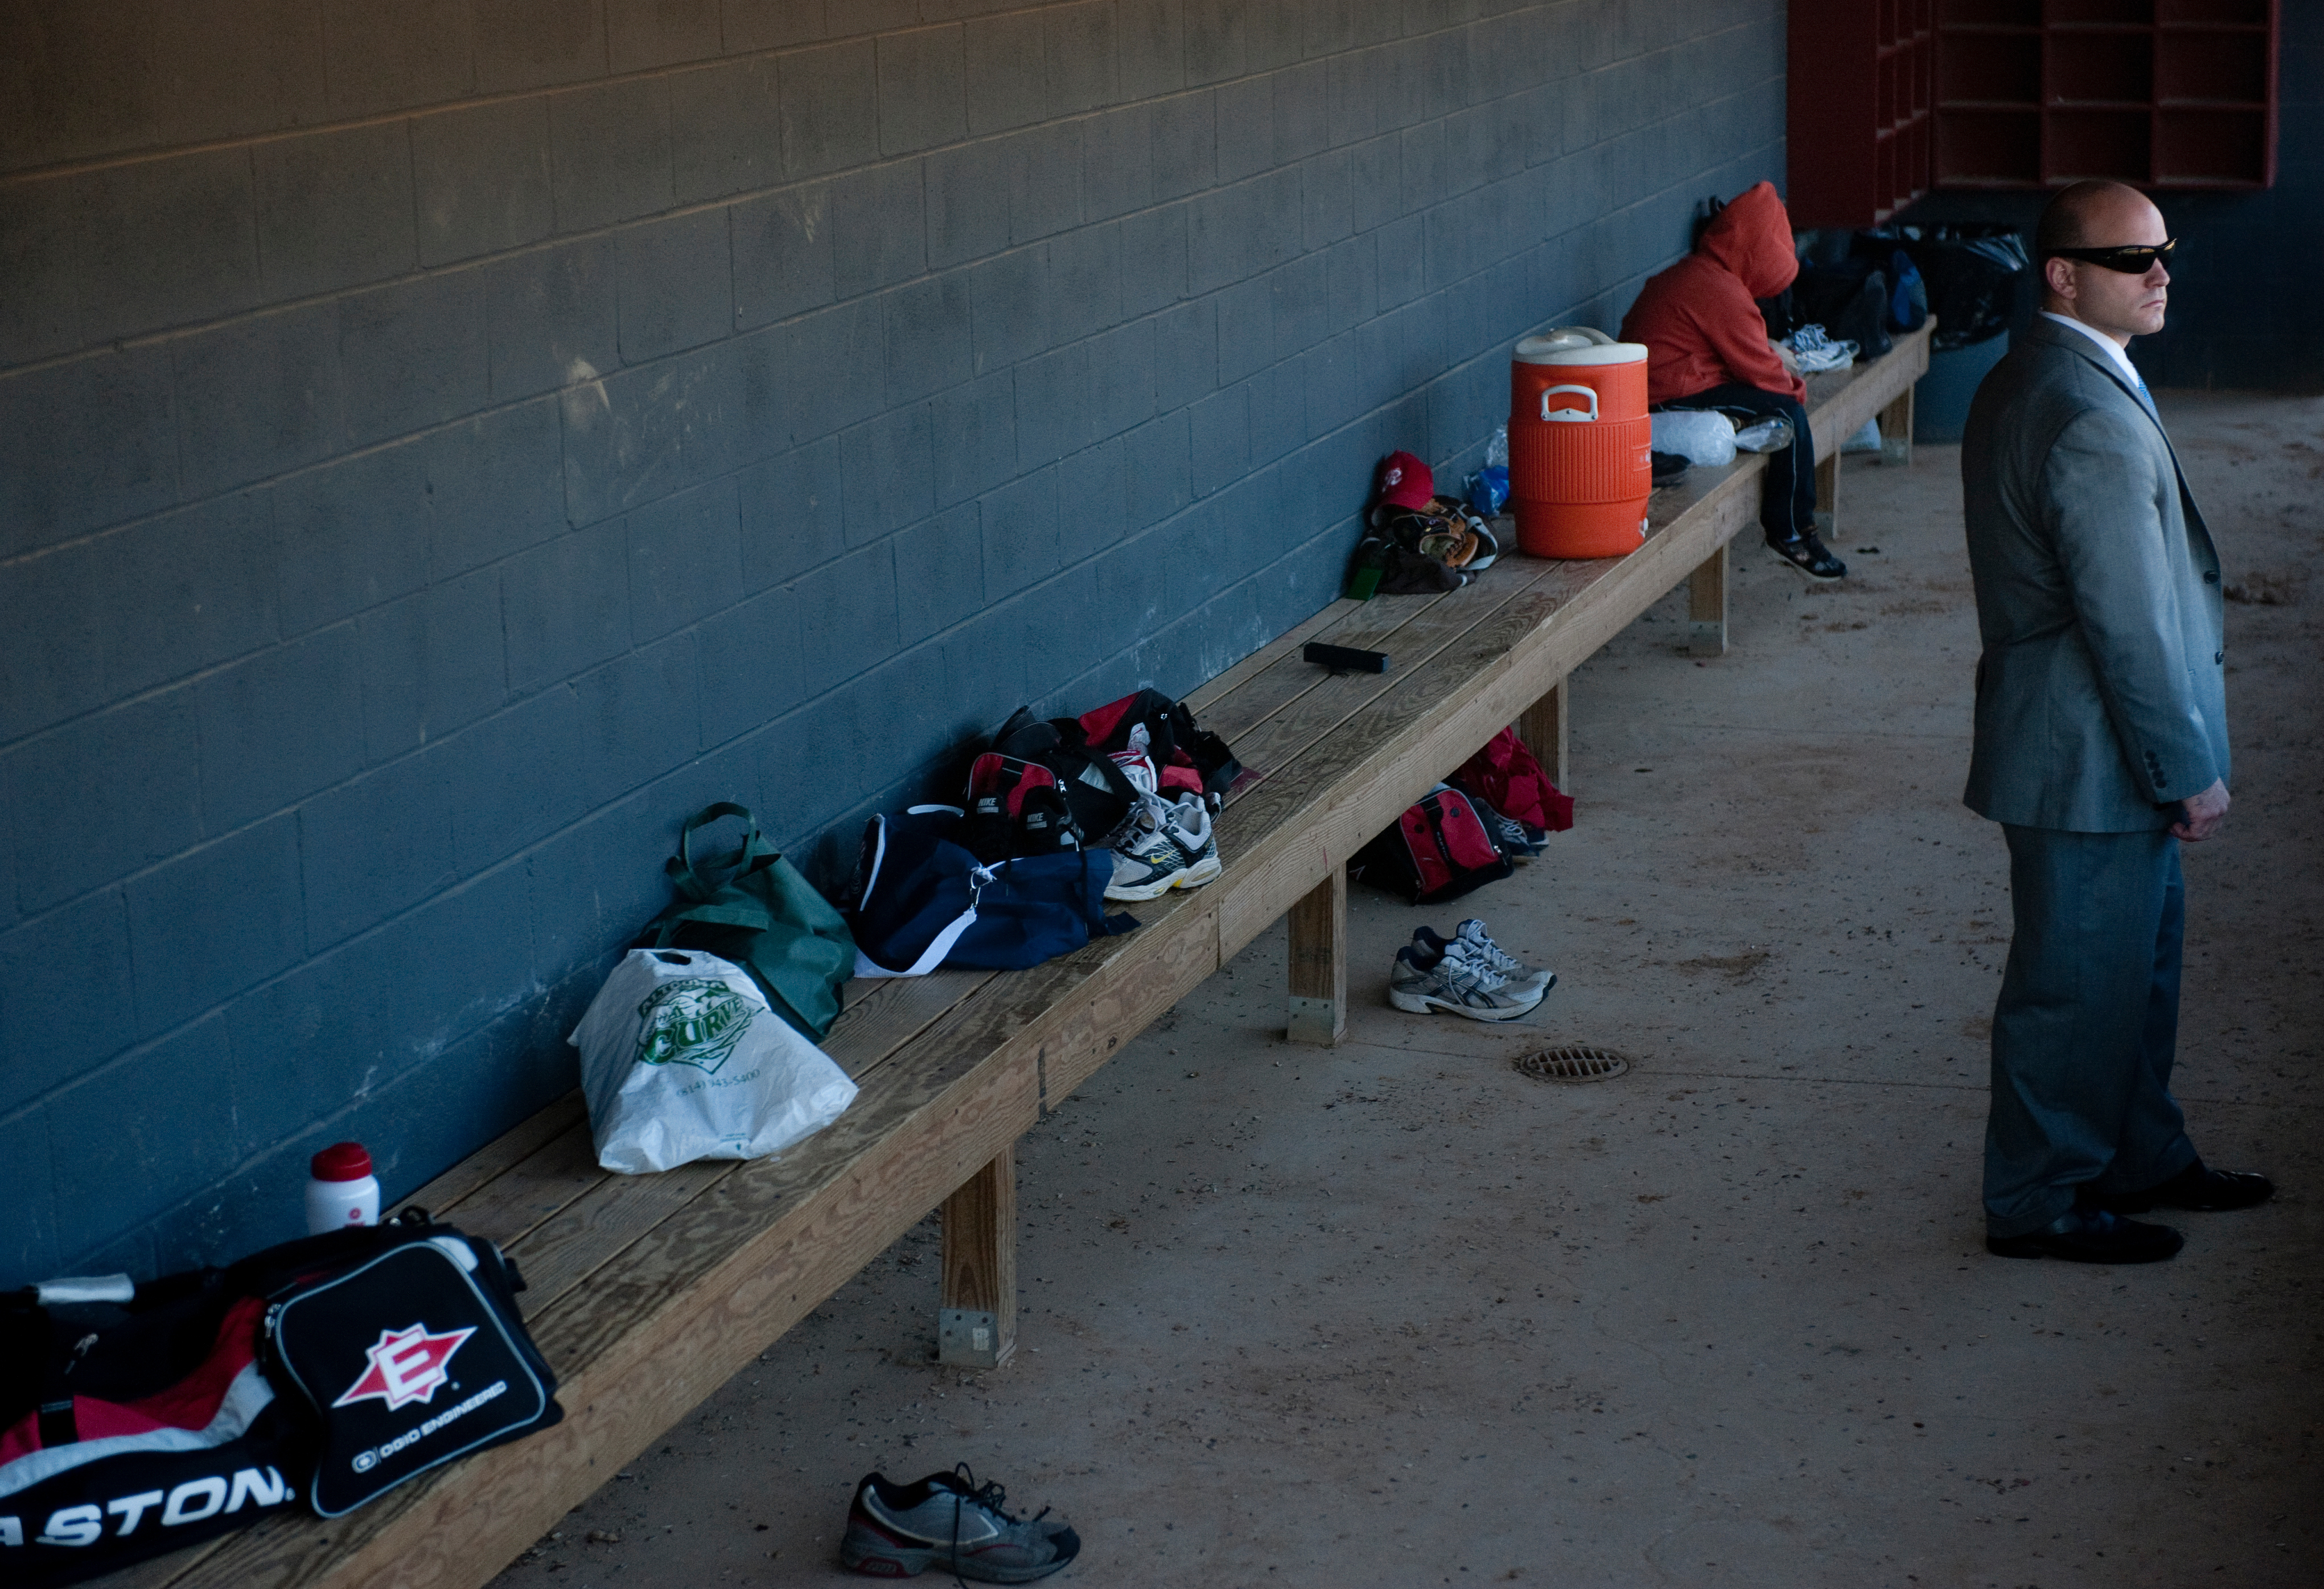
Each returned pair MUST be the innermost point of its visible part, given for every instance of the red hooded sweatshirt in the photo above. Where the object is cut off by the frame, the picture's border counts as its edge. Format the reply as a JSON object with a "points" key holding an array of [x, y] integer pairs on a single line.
{"points": [[1698, 319]]}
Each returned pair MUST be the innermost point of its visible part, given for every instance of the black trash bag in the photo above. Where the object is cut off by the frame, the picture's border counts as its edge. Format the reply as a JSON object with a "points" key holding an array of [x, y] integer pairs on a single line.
{"points": [[1849, 299], [1972, 273]]}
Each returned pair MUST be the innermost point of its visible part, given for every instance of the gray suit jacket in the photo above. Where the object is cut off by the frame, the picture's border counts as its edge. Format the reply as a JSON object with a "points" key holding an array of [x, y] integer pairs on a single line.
{"points": [[2101, 694]]}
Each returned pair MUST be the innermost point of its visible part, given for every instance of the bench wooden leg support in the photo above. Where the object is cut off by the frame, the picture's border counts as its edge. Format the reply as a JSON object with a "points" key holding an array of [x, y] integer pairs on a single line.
{"points": [[1827, 507], [1319, 963], [1706, 606], [1896, 429], [1543, 729], [976, 1324]]}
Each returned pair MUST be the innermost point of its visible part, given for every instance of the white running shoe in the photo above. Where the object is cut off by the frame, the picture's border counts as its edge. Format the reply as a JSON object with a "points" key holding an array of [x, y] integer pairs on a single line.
{"points": [[1455, 984], [1166, 846], [1472, 942]]}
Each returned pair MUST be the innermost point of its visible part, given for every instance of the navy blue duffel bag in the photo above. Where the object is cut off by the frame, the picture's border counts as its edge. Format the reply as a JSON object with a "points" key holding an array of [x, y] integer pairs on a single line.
{"points": [[921, 900]]}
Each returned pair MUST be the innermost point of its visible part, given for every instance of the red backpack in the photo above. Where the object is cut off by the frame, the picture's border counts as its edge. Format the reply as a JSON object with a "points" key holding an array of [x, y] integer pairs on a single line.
{"points": [[1439, 849], [1506, 777]]}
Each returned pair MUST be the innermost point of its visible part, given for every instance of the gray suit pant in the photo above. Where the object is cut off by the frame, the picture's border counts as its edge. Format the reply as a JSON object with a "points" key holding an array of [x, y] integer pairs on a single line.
{"points": [[2087, 1025]]}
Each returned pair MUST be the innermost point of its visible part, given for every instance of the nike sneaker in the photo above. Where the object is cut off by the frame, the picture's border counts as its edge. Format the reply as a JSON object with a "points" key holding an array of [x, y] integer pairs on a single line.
{"points": [[947, 1520]]}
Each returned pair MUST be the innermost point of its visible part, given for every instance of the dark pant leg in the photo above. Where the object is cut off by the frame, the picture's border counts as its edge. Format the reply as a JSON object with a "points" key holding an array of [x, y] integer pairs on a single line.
{"points": [[1787, 494], [2085, 1028]]}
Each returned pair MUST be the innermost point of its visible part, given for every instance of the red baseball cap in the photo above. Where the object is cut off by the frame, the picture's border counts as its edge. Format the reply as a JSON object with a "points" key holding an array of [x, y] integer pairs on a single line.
{"points": [[1405, 481]]}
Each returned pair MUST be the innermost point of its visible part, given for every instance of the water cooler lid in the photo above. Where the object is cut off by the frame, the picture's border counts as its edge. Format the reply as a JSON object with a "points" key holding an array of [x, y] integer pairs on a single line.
{"points": [[1578, 344]]}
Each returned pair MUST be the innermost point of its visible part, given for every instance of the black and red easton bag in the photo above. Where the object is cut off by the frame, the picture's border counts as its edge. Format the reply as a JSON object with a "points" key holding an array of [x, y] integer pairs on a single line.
{"points": [[137, 1419], [1439, 849]]}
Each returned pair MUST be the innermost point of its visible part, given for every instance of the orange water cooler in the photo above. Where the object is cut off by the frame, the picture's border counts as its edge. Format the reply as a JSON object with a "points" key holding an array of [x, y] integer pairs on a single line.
{"points": [[1580, 444]]}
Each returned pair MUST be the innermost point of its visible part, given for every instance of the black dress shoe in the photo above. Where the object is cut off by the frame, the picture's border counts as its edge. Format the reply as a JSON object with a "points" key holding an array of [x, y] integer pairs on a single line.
{"points": [[2201, 1190], [2093, 1236]]}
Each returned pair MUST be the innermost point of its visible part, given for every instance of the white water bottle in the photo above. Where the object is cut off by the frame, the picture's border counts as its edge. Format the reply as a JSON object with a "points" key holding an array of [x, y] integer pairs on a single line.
{"points": [[344, 1193]]}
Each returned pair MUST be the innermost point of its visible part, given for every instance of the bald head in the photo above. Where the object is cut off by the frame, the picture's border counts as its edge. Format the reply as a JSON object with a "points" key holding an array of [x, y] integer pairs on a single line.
{"points": [[2095, 214]]}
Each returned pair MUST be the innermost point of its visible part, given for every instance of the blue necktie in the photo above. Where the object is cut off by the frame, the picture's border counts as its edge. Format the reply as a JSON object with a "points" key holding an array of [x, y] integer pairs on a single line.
{"points": [[2145, 398]]}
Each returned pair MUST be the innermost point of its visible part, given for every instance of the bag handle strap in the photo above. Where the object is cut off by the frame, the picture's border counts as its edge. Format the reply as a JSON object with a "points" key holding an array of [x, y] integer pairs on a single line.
{"points": [[683, 869]]}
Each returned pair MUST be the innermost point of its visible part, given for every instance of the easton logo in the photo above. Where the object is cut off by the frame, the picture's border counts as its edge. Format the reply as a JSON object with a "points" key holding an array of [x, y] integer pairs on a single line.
{"points": [[407, 1365]]}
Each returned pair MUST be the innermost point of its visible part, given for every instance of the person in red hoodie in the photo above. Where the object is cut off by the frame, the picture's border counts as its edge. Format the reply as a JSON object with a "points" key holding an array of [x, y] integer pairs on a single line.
{"points": [[1707, 347]]}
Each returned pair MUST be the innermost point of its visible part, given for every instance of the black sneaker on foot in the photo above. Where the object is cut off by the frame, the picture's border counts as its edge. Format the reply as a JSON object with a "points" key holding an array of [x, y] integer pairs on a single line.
{"points": [[1808, 555], [945, 1521]]}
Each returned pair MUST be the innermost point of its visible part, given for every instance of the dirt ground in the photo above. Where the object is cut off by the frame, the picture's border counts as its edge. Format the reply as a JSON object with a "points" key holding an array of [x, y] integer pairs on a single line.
{"points": [[1288, 1313]]}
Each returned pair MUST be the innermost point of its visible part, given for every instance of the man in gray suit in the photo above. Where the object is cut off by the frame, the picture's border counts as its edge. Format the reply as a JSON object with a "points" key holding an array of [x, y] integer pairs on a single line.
{"points": [[2102, 746]]}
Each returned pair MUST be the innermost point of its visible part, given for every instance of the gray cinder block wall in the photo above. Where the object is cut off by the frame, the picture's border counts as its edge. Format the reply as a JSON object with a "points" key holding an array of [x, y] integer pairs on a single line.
{"points": [[443, 444]]}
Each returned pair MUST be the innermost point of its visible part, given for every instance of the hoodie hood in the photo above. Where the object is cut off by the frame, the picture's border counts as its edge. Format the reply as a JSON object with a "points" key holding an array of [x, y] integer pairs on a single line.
{"points": [[1752, 238]]}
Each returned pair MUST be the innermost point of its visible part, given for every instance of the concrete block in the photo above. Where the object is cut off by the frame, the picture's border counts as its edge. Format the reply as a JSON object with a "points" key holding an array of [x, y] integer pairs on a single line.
{"points": [[1186, 354], [609, 149], [1376, 182], [1350, 285], [831, 112], [1245, 113], [1278, 410], [1185, 145], [1159, 470], [1009, 308], [972, 438], [335, 208], [550, 318], [1217, 36], [102, 796], [1021, 538], [1121, 378], [1350, 114], [1428, 169], [781, 253], [1303, 304], [1093, 501], [28, 1242], [516, 774], [1153, 259], [967, 202], [640, 717], [846, 617], [1300, 112], [1085, 269], [1246, 322], [922, 100], [887, 467], [879, 234], [642, 34], [749, 658], [771, 24], [1008, 72], [1045, 181], [1327, 200], [791, 507], [379, 59], [1235, 233], [214, 921], [1118, 162], [625, 443], [929, 336], [1400, 261], [1218, 437], [1053, 406], [495, 485], [166, 242], [1080, 42], [125, 611], [278, 725], [127, 1162], [1331, 375], [481, 180], [725, 129], [40, 317], [372, 847], [676, 285], [414, 355], [939, 574], [351, 535], [566, 604], [535, 44], [88, 942], [686, 559], [258, 397], [1151, 47], [84, 444], [1133, 582], [432, 662]]}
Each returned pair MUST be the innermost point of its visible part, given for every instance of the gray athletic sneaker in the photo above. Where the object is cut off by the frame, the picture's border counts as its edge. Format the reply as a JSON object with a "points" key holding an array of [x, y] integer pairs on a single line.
{"points": [[1471, 942], [1458, 985], [947, 1520]]}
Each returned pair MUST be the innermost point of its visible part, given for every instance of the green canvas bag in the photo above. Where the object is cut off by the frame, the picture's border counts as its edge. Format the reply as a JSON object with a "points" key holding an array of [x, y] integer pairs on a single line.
{"points": [[765, 917]]}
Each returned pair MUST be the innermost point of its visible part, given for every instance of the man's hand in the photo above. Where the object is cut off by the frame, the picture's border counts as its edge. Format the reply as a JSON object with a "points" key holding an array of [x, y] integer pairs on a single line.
{"points": [[2205, 812]]}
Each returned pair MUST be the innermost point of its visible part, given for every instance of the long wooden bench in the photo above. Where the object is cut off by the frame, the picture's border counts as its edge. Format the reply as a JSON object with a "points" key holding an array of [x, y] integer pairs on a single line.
{"points": [[649, 1292]]}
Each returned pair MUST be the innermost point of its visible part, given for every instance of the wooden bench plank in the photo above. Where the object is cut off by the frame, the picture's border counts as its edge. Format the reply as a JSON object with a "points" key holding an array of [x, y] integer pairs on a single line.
{"points": [[1237, 715]]}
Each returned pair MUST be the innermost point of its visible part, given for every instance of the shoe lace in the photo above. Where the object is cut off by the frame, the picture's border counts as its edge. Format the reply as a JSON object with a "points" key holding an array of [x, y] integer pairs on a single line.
{"points": [[1473, 944], [991, 1496], [1464, 975]]}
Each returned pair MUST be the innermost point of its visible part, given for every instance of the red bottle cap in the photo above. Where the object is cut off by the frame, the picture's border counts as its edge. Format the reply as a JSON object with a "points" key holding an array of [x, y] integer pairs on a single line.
{"points": [[342, 1162]]}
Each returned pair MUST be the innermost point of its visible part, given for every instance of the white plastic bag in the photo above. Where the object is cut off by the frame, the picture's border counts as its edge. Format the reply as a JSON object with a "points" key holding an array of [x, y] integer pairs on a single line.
{"points": [[682, 1059], [1772, 434], [1698, 435]]}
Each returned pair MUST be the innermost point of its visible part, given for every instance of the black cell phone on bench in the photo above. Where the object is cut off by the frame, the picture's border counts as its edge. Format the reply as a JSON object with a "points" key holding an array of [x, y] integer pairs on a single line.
{"points": [[1345, 659]]}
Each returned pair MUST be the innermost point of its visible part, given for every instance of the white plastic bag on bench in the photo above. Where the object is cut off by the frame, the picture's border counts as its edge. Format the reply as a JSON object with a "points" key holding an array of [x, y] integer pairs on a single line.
{"points": [[1701, 435], [681, 1059]]}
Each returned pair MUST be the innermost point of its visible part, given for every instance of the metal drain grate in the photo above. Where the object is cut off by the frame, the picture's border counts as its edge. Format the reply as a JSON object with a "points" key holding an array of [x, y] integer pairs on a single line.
{"points": [[1573, 1062]]}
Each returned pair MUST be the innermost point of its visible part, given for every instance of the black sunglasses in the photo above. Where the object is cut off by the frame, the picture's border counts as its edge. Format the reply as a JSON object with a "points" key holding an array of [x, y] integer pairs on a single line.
{"points": [[2134, 261]]}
